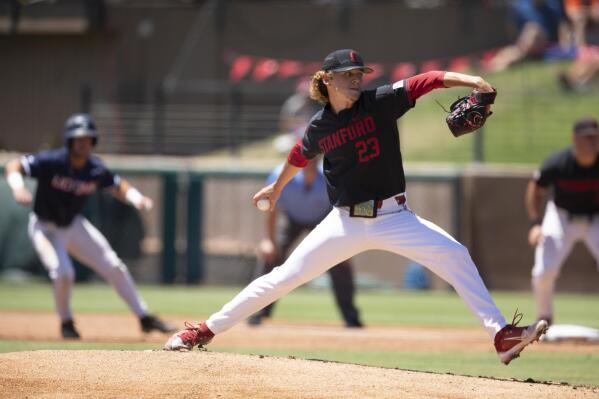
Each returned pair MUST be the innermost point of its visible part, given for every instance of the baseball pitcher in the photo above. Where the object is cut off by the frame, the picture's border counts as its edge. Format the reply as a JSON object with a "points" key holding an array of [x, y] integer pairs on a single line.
{"points": [[356, 131]]}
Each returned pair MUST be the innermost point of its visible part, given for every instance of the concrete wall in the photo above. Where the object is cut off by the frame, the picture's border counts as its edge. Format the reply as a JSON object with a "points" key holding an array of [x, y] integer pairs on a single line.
{"points": [[42, 78]]}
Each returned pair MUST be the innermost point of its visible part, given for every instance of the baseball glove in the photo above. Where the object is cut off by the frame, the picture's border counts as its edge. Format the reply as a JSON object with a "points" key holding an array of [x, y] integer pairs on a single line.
{"points": [[469, 113]]}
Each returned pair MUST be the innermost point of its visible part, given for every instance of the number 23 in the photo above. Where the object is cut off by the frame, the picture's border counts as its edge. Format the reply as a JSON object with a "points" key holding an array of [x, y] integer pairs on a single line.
{"points": [[368, 149]]}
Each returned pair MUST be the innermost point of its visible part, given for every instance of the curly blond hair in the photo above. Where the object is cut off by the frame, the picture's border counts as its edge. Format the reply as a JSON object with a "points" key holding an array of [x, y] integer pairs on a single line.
{"points": [[318, 90]]}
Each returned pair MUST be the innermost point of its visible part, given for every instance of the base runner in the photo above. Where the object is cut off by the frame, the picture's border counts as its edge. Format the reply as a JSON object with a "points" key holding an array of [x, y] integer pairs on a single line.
{"points": [[66, 177]]}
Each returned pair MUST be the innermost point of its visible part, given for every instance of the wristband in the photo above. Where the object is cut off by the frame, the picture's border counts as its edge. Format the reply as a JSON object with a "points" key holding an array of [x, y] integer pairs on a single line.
{"points": [[536, 222], [15, 181], [133, 196]]}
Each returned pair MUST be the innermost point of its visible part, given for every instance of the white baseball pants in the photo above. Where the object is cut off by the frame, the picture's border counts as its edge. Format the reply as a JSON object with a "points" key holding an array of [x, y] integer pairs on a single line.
{"points": [[338, 237], [84, 242], [559, 236]]}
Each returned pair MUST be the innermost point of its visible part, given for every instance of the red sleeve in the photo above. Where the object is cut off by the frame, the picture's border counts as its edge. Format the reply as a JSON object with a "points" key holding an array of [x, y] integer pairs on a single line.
{"points": [[419, 85], [296, 157]]}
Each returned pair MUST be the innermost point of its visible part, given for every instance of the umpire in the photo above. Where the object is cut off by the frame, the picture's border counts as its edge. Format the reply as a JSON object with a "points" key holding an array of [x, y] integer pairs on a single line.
{"points": [[305, 203]]}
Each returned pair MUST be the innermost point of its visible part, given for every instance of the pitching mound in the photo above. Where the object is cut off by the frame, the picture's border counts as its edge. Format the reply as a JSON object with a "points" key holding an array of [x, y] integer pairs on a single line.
{"points": [[158, 374]]}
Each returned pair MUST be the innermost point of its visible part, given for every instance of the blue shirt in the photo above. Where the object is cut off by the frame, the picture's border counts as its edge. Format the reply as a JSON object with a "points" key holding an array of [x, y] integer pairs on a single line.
{"points": [[303, 205], [62, 191]]}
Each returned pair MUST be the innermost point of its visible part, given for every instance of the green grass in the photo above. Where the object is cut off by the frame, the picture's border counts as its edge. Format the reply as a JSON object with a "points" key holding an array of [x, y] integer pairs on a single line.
{"points": [[532, 118], [20, 346], [443, 309], [426, 308]]}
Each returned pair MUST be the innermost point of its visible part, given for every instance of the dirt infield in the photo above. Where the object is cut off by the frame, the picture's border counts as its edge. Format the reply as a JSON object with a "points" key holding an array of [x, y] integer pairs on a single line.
{"points": [[124, 328], [159, 374]]}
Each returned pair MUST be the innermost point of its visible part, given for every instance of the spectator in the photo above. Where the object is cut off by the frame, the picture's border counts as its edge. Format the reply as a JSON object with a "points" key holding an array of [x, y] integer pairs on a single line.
{"points": [[584, 17], [539, 23]]}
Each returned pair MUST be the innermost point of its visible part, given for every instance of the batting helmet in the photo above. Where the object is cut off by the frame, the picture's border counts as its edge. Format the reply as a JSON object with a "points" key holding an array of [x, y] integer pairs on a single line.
{"points": [[80, 125]]}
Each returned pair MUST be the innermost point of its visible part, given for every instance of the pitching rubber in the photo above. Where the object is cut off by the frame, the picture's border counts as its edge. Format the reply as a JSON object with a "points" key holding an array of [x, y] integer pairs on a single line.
{"points": [[540, 327]]}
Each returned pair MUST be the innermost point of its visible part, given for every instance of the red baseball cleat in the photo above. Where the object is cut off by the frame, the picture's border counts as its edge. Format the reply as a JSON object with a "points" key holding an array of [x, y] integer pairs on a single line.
{"points": [[193, 335], [511, 340]]}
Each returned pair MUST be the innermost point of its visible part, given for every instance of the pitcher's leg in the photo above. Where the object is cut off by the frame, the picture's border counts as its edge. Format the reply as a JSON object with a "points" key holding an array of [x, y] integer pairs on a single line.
{"points": [[332, 241], [426, 243], [287, 237], [262, 267], [51, 250], [89, 246], [342, 280]]}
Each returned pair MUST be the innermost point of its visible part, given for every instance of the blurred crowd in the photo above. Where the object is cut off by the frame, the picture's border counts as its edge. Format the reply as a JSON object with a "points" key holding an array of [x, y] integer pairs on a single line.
{"points": [[555, 30]]}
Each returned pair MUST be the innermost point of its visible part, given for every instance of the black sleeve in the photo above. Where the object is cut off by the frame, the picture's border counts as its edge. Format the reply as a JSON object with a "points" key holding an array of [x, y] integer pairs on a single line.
{"points": [[548, 173], [105, 177], [393, 99], [108, 179], [35, 164]]}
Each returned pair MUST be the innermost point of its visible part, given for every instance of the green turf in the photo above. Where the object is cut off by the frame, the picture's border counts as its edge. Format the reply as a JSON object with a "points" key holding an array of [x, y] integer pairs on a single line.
{"points": [[443, 309], [427, 308]]}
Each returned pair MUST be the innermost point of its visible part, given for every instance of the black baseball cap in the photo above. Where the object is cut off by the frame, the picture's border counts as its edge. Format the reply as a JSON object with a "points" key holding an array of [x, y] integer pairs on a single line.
{"points": [[586, 127], [344, 60]]}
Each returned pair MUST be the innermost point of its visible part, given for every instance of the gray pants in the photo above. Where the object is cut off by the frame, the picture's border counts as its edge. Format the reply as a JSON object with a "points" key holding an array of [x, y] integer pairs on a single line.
{"points": [[84, 242]]}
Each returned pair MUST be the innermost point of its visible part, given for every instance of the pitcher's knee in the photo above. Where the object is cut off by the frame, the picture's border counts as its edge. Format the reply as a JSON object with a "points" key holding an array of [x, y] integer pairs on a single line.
{"points": [[457, 250]]}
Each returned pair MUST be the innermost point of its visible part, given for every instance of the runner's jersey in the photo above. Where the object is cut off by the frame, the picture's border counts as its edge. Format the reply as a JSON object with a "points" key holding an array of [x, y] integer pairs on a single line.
{"points": [[575, 189], [362, 159], [61, 190]]}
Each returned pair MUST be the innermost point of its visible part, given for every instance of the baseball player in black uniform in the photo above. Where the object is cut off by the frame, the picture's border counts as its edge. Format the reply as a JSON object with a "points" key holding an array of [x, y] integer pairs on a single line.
{"points": [[356, 131], [571, 214], [66, 177]]}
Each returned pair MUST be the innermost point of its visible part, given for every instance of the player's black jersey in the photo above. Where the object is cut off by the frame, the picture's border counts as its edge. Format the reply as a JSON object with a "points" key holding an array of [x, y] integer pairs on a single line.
{"points": [[62, 190], [362, 159], [575, 189]]}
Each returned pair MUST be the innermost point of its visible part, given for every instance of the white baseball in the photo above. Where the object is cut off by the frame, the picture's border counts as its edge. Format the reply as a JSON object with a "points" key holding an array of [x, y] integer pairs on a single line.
{"points": [[263, 204]]}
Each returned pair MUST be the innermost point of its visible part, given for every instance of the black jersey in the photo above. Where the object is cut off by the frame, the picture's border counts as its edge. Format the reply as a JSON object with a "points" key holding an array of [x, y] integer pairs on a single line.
{"points": [[362, 159], [62, 190], [575, 189]]}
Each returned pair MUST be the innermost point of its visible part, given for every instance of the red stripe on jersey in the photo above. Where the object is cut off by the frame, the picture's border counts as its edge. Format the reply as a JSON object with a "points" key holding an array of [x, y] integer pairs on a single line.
{"points": [[419, 85], [296, 157]]}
